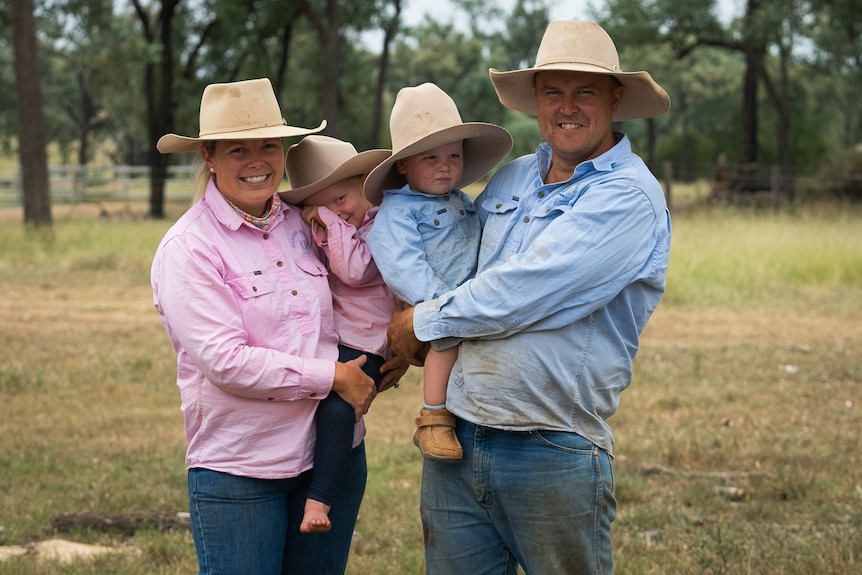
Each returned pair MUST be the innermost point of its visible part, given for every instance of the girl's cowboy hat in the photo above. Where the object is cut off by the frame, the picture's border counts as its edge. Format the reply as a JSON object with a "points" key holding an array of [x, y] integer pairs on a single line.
{"points": [[319, 161], [236, 111], [424, 117], [581, 47]]}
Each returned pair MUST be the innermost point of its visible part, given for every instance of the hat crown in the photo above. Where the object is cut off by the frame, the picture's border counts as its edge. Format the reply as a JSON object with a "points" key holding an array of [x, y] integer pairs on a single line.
{"points": [[239, 106], [421, 111], [316, 157], [577, 42]]}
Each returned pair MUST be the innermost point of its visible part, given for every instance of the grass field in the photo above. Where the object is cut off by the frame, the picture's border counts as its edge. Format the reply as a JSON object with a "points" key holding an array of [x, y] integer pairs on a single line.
{"points": [[738, 445]]}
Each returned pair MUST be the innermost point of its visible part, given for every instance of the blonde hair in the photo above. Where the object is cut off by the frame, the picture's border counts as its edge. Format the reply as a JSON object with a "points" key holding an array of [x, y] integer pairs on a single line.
{"points": [[203, 175]]}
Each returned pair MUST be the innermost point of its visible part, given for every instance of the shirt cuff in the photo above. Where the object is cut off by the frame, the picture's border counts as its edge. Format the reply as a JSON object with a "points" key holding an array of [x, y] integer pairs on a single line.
{"points": [[318, 375]]}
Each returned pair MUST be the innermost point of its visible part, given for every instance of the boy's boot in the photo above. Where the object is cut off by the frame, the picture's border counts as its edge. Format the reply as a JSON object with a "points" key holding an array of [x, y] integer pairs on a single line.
{"points": [[435, 436]]}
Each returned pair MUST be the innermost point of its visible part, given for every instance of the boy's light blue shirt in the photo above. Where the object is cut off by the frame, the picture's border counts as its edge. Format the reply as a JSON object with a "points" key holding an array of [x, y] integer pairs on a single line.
{"points": [[569, 273], [423, 244]]}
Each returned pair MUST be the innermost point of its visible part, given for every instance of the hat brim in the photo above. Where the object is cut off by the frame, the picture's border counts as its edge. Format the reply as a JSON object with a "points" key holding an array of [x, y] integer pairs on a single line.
{"points": [[359, 165], [643, 97], [173, 143], [485, 145]]}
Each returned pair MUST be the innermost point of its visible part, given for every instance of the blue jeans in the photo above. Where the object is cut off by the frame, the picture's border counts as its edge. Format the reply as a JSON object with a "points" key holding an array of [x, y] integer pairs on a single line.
{"points": [[244, 525], [543, 500]]}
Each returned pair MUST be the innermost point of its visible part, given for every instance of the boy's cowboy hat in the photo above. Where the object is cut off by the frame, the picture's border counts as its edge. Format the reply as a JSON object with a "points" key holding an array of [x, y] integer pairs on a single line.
{"points": [[425, 117], [236, 111], [319, 161], [581, 47]]}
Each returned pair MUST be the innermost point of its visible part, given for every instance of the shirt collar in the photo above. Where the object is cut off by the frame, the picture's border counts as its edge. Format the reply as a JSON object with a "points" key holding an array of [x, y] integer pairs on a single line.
{"points": [[603, 163]]}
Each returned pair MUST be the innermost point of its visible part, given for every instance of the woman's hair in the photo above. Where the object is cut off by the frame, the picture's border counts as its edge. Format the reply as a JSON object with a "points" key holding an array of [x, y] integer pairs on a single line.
{"points": [[203, 175]]}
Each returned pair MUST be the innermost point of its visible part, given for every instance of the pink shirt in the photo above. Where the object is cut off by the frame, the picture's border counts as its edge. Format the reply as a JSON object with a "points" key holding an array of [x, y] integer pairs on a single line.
{"points": [[249, 315], [363, 304]]}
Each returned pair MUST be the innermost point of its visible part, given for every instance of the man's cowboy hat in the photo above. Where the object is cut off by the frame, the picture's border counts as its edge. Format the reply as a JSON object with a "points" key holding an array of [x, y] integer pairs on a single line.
{"points": [[236, 111], [576, 46], [424, 117], [319, 161]]}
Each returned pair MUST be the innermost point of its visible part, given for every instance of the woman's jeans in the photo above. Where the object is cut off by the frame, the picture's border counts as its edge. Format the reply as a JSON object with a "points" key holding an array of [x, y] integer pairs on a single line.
{"points": [[243, 525], [541, 499]]}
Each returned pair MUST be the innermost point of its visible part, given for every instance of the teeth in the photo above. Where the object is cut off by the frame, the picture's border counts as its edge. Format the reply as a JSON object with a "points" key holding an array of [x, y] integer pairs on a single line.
{"points": [[569, 126], [255, 179]]}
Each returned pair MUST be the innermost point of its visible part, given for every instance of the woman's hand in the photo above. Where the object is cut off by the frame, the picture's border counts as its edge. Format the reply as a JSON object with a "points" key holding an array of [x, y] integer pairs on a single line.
{"points": [[353, 386], [393, 370]]}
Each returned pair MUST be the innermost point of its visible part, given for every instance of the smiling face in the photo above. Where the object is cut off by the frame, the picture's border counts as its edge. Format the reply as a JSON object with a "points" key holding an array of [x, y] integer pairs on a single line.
{"points": [[575, 114], [247, 172], [346, 199], [436, 171]]}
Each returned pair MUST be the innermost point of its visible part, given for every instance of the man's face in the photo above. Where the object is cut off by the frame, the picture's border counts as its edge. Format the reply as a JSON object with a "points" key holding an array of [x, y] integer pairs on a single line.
{"points": [[575, 113]]}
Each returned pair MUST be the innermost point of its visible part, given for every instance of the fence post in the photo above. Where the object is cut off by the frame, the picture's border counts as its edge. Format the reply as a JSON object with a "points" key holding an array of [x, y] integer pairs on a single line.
{"points": [[775, 185]]}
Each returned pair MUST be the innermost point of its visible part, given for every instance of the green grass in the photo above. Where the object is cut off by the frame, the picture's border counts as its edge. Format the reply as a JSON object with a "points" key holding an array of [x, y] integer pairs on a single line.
{"points": [[749, 377]]}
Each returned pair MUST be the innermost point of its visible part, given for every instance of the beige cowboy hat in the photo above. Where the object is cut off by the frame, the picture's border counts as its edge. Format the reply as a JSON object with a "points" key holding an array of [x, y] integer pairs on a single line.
{"points": [[319, 161], [424, 117], [581, 47], [236, 111]]}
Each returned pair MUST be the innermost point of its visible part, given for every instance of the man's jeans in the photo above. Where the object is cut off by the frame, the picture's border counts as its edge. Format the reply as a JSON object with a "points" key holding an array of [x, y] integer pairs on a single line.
{"points": [[246, 525], [544, 500]]}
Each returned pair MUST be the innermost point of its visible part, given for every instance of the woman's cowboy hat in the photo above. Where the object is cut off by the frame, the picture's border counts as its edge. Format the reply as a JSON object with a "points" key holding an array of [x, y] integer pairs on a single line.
{"points": [[236, 111], [425, 117], [319, 161], [581, 47]]}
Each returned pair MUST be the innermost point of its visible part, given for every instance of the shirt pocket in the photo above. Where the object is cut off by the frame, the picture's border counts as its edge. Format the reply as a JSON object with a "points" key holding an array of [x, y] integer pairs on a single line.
{"points": [[312, 266], [251, 285]]}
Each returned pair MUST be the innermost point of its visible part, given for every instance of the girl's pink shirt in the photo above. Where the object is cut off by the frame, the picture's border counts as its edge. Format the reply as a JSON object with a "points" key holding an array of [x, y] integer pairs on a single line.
{"points": [[363, 304], [249, 315]]}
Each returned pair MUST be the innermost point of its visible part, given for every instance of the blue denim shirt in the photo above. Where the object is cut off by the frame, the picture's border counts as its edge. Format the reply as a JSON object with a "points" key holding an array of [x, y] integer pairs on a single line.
{"points": [[424, 245], [569, 273]]}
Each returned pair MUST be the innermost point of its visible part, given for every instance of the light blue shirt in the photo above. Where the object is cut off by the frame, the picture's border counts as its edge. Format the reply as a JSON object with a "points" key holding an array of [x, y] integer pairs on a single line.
{"points": [[569, 273], [424, 245]]}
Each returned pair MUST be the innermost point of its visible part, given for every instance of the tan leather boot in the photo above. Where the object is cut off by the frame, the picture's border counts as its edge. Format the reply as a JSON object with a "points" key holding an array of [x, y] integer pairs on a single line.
{"points": [[435, 436]]}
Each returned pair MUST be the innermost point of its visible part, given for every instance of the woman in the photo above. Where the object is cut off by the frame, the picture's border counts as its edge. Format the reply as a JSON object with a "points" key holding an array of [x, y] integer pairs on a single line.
{"points": [[244, 297]]}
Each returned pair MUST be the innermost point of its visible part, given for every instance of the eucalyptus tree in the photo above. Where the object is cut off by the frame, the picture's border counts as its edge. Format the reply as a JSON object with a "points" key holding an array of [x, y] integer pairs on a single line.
{"points": [[31, 120]]}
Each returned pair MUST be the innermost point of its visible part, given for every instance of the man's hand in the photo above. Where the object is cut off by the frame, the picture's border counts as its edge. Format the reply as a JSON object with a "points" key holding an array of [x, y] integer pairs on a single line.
{"points": [[353, 386], [402, 339]]}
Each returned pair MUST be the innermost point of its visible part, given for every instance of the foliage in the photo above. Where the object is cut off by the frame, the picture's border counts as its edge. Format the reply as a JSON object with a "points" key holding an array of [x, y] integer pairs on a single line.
{"points": [[93, 56]]}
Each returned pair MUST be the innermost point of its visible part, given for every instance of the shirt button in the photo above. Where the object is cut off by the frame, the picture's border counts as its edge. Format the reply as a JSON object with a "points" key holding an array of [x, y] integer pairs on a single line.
{"points": [[499, 206], [279, 264], [436, 222], [313, 394], [270, 398], [462, 212], [526, 219], [293, 292], [266, 236], [541, 194], [253, 288]]}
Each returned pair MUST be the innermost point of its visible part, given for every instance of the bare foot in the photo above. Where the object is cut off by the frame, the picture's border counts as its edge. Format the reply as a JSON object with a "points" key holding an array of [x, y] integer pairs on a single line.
{"points": [[316, 518]]}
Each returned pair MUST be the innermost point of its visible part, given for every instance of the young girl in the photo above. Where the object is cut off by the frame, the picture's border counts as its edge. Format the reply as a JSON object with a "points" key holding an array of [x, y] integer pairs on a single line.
{"points": [[327, 176], [426, 237]]}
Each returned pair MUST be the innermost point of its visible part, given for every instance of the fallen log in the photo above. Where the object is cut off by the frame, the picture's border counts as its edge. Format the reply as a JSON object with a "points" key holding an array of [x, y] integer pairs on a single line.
{"points": [[126, 523]]}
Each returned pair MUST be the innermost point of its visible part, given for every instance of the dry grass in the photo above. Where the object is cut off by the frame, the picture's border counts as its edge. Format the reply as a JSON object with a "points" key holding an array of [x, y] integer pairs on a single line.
{"points": [[738, 444]]}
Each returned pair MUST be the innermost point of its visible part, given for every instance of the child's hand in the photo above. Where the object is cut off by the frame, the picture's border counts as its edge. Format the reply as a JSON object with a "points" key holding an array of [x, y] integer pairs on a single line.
{"points": [[312, 218]]}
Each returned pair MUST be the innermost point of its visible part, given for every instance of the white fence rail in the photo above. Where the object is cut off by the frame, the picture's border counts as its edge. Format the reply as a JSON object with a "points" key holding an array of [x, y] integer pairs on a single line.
{"points": [[78, 184]]}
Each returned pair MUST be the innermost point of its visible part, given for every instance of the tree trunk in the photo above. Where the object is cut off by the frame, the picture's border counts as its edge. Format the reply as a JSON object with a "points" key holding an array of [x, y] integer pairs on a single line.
{"points": [[31, 119], [383, 66]]}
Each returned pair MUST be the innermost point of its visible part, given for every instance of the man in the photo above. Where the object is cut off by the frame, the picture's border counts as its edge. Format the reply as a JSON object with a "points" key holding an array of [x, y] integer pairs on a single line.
{"points": [[575, 247]]}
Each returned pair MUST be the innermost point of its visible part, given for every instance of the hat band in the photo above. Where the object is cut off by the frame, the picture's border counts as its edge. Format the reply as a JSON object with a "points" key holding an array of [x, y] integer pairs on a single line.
{"points": [[222, 130], [604, 65]]}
